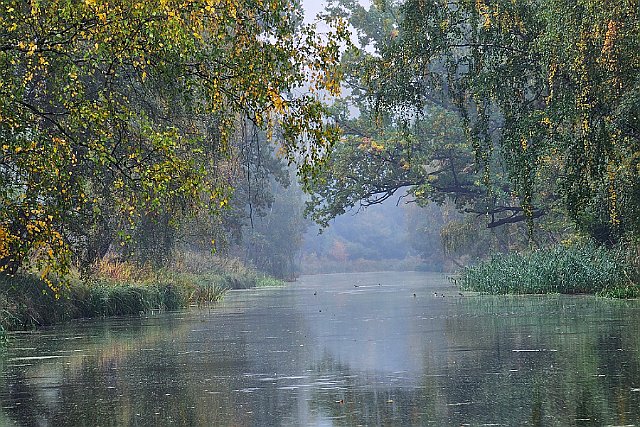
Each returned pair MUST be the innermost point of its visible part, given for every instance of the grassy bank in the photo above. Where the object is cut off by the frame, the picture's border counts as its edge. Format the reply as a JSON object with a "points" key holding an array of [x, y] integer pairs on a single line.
{"points": [[563, 269], [119, 289]]}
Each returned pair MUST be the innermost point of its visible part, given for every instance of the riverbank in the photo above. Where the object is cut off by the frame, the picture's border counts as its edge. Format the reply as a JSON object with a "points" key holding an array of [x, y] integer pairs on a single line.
{"points": [[120, 289], [576, 269]]}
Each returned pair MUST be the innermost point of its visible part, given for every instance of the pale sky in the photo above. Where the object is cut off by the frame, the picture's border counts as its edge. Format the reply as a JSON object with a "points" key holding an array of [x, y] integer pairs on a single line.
{"points": [[311, 8]]}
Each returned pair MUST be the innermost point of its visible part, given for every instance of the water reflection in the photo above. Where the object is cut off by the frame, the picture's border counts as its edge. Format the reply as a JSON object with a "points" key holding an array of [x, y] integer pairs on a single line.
{"points": [[374, 349]]}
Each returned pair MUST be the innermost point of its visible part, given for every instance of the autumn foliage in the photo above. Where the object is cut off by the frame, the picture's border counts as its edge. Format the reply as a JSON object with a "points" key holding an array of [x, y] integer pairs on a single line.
{"points": [[115, 111]]}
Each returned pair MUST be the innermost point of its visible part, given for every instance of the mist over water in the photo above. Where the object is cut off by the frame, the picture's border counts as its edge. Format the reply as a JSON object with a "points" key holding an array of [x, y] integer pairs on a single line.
{"points": [[337, 350]]}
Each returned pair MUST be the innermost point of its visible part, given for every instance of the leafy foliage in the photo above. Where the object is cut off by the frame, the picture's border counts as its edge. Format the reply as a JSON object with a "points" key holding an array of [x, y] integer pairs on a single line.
{"points": [[410, 136], [547, 87], [116, 113], [370, 165]]}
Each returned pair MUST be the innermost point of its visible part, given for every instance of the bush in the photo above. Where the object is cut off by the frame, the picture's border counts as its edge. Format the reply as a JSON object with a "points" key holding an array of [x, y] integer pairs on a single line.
{"points": [[121, 289], [563, 269], [26, 302]]}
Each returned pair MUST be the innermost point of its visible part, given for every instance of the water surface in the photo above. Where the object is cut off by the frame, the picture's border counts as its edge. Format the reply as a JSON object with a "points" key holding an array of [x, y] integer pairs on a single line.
{"points": [[337, 350]]}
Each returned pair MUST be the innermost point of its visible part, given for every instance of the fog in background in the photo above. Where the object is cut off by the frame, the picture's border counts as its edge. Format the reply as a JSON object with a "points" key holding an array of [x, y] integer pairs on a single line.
{"points": [[390, 236], [395, 235]]}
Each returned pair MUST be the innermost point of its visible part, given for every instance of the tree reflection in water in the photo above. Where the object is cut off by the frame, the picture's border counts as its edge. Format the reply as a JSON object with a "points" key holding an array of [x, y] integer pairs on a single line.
{"points": [[372, 355]]}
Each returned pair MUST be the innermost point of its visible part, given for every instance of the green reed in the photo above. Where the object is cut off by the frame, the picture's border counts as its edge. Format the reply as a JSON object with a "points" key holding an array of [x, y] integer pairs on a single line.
{"points": [[563, 269]]}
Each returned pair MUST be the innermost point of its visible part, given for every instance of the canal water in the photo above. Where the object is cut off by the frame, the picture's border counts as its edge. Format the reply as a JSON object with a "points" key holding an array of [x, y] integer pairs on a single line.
{"points": [[393, 349]]}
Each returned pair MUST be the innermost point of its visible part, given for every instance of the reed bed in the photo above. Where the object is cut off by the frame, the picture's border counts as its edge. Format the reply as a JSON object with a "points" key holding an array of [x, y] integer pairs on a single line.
{"points": [[119, 289], [574, 269]]}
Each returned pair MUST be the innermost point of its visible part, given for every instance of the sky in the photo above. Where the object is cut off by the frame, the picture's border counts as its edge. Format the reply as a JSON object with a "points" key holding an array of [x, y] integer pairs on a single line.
{"points": [[311, 8]]}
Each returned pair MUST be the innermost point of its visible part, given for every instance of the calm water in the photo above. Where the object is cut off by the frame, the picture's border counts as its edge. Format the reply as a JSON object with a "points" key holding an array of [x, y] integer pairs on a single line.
{"points": [[337, 350]]}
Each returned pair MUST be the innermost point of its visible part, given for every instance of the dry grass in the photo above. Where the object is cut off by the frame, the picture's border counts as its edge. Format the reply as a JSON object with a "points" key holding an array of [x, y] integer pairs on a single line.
{"points": [[113, 269]]}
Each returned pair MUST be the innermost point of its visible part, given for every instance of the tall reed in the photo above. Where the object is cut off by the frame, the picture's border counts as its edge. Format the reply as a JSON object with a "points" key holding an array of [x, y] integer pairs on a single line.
{"points": [[574, 269]]}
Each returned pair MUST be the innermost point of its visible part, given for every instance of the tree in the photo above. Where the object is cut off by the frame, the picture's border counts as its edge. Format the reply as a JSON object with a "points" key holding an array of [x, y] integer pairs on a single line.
{"points": [[429, 159], [550, 87], [253, 171], [115, 111], [273, 239], [404, 137]]}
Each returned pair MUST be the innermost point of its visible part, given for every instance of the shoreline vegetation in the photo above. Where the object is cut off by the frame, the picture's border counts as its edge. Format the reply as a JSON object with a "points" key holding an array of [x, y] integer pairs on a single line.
{"points": [[123, 289], [572, 269]]}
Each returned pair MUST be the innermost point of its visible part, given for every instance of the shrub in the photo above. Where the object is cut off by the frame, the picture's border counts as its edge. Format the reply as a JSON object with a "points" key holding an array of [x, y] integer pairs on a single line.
{"points": [[119, 288]]}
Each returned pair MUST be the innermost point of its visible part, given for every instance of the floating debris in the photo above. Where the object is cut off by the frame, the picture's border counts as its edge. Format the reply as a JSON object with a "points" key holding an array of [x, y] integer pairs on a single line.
{"points": [[460, 404], [16, 359]]}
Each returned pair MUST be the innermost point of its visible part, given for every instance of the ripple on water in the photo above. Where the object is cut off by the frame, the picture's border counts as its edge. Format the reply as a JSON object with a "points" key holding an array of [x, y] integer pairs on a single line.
{"points": [[375, 354]]}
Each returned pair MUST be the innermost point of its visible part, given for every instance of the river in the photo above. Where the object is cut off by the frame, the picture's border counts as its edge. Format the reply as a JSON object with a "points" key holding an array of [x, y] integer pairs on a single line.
{"points": [[336, 350]]}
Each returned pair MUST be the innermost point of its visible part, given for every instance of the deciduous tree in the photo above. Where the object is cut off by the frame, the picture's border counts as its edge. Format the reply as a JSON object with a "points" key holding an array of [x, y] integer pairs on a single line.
{"points": [[111, 111], [546, 92]]}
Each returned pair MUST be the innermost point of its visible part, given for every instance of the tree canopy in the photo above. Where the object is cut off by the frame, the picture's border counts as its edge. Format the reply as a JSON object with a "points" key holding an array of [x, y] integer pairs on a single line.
{"points": [[545, 93], [114, 111]]}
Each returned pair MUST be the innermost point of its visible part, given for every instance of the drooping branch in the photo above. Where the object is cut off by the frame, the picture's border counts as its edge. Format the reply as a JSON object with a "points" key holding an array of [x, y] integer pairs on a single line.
{"points": [[515, 218], [517, 215]]}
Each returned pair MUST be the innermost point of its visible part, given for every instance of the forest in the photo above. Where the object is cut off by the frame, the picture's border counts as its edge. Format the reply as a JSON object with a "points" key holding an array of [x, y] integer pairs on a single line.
{"points": [[138, 139]]}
